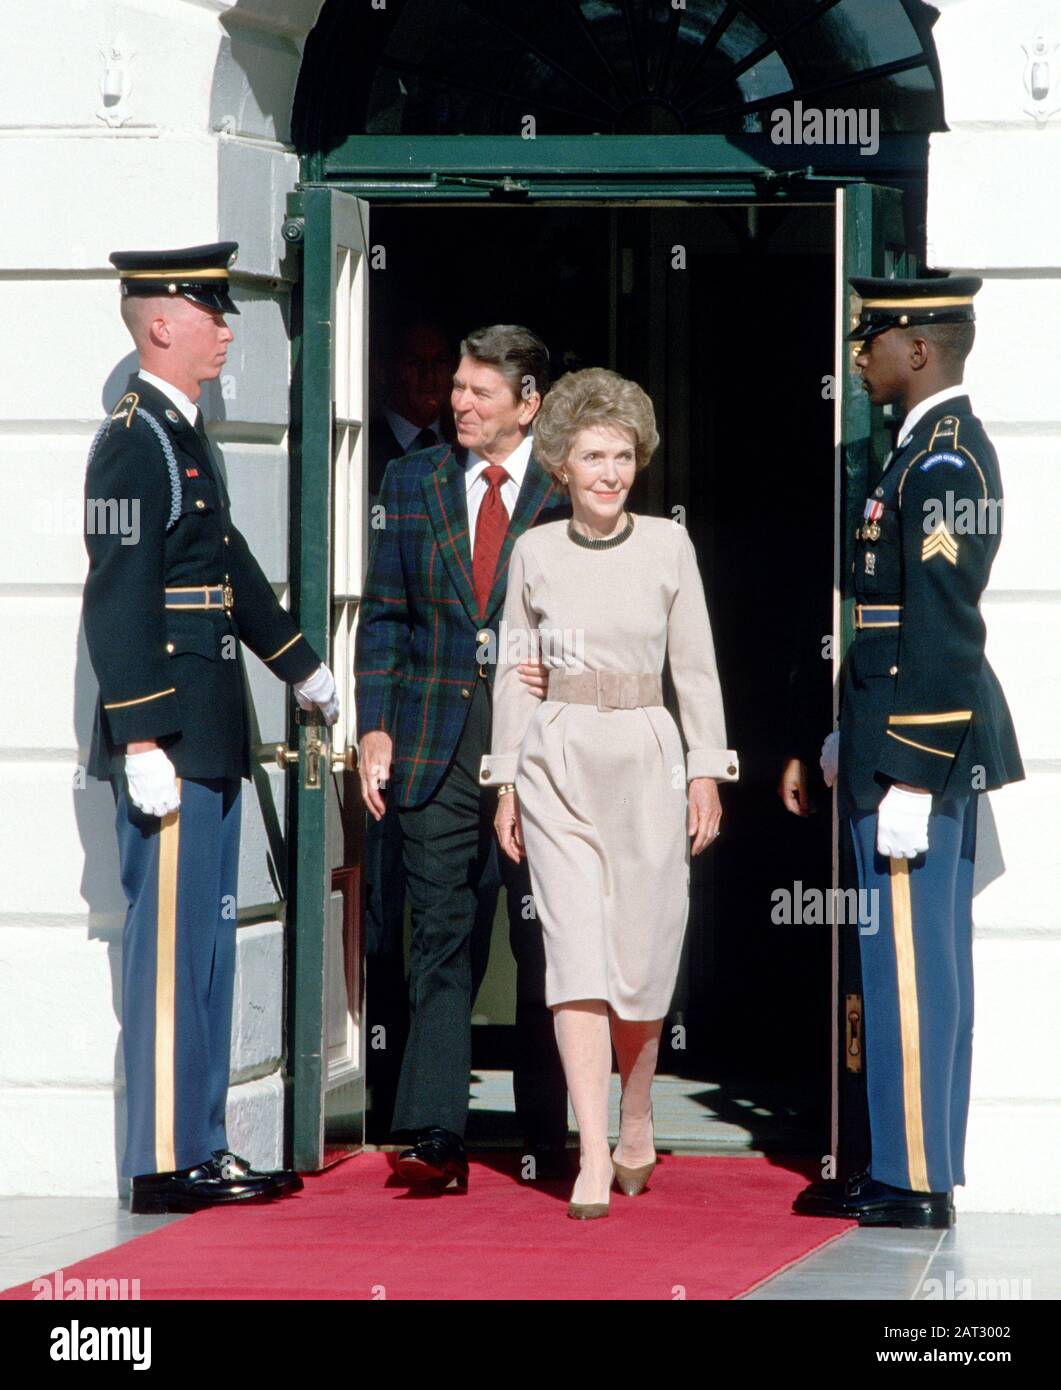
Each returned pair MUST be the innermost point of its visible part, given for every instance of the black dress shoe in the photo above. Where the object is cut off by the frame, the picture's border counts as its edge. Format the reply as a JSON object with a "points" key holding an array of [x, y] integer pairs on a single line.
{"points": [[879, 1204], [551, 1163], [193, 1189], [873, 1203], [437, 1157], [232, 1166], [826, 1198]]}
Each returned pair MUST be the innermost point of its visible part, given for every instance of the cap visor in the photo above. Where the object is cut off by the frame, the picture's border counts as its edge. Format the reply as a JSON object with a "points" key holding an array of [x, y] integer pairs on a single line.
{"points": [[864, 332], [218, 299]]}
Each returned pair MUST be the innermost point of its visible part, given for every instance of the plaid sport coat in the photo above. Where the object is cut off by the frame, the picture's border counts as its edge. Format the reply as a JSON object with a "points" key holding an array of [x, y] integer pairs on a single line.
{"points": [[414, 655]]}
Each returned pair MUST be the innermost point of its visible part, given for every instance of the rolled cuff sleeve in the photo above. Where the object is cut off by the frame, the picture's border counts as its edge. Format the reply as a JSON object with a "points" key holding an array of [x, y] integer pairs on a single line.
{"points": [[722, 764], [496, 769]]}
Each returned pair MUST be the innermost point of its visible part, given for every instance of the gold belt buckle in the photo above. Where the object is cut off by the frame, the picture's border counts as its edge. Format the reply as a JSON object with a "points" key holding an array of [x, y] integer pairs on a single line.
{"points": [[228, 598]]}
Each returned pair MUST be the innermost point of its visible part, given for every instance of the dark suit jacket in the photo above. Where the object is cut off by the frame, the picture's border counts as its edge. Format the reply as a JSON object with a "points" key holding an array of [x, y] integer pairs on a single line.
{"points": [[415, 658], [382, 447], [919, 700], [164, 674]]}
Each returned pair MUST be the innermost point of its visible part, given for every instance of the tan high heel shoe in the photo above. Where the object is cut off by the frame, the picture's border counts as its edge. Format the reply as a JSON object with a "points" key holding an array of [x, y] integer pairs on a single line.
{"points": [[586, 1211], [633, 1181]]}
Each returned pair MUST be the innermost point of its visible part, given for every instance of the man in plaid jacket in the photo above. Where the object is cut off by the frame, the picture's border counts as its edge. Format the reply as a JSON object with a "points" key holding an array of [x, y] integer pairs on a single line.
{"points": [[434, 596]]}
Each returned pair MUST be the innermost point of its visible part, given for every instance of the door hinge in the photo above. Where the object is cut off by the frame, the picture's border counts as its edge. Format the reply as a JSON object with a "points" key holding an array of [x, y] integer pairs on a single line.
{"points": [[853, 1032]]}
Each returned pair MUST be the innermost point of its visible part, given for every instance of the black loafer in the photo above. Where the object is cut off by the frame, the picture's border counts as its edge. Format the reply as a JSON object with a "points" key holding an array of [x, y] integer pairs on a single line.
{"points": [[232, 1166], [193, 1189], [437, 1157]]}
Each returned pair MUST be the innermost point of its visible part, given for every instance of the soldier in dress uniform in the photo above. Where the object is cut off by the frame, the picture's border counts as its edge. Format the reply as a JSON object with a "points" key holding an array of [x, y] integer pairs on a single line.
{"points": [[170, 593], [924, 729]]}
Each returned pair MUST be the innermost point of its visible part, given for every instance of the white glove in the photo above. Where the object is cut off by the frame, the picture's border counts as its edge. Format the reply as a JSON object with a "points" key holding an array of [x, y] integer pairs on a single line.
{"points": [[902, 823], [830, 758], [152, 782], [319, 689]]}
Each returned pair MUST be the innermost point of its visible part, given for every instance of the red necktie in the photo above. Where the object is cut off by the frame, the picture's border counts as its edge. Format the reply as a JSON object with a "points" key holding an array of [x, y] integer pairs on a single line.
{"points": [[491, 527]]}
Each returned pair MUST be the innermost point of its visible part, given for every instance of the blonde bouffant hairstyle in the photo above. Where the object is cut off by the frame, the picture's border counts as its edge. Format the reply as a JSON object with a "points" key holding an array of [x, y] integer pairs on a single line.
{"points": [[582, 400]]}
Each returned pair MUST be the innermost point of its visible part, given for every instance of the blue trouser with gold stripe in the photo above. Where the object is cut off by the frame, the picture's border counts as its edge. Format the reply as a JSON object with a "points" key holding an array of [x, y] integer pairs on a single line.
{"points": [[917, 988], [179, 874]]}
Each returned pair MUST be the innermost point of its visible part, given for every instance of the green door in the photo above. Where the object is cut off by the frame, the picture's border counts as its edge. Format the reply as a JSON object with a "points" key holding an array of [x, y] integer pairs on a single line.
{"points": [[870, 240], [329, 523], [329, 530]]}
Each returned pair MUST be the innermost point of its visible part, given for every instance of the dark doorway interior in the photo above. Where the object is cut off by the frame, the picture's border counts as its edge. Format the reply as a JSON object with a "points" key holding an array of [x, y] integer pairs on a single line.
{"points": [[725, 315]]}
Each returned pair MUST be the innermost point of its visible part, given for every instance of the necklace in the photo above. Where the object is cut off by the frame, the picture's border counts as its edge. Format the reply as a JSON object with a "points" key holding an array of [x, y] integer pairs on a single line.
{"points": [[606, 544]]}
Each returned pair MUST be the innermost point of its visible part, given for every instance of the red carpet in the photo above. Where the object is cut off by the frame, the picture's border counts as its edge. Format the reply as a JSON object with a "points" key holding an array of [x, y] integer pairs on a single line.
{"points": [[708, 1228]]}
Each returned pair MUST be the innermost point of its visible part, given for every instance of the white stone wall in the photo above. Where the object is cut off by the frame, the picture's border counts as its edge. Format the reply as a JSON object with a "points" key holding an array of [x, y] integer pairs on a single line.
{"points": [[994, 210], [192, 146]]}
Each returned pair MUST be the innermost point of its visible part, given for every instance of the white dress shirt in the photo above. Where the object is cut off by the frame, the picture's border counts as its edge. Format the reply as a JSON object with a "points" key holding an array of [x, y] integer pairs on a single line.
{"points": [[405, 431], [918, 413], [515, 466], [187, 407], [923, 407]]}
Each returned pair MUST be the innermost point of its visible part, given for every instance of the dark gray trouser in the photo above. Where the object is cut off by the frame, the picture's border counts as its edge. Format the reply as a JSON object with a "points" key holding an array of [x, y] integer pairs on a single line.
{"points": [[453, 872]]}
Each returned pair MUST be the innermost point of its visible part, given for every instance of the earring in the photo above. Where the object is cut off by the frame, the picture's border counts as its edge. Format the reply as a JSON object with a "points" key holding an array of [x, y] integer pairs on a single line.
{"points": [[563, 477]]}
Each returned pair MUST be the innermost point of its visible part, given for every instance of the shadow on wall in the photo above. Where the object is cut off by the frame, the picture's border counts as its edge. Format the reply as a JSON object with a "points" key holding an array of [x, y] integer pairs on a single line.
{"points": [[255, 77]]}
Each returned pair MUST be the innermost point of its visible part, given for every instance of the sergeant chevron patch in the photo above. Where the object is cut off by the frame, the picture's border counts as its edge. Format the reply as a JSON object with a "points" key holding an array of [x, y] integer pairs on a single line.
{"points": [[940, 542]]}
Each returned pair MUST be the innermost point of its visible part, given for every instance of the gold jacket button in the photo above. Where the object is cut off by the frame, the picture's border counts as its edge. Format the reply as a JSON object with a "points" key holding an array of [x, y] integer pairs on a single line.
{"points": [[226, 540], [200, 503], [732, 770], [170, 647], [465, 694], [484, 776], [893, 670], [483, 636]]}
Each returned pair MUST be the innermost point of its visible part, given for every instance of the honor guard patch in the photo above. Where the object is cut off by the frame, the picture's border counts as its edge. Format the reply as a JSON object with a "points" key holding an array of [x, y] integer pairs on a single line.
{"points": [[933, 459], [940, 542]]}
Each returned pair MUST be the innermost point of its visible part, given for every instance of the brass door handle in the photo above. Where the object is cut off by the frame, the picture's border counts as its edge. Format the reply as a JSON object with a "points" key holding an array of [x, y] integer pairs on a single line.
{"points": [[286, 757], [344, 759]]}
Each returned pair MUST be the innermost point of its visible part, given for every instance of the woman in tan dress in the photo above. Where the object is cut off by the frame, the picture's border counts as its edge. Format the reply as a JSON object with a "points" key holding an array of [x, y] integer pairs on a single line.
{"points": [[593, 784]]}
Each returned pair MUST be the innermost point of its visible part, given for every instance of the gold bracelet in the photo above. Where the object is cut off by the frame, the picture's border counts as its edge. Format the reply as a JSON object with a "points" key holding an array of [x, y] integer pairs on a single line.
{"points": [[505, 787]]}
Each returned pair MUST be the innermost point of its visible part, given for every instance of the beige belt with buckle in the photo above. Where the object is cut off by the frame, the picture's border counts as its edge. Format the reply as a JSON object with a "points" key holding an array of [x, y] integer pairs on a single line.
{"points": [[606, 689]]}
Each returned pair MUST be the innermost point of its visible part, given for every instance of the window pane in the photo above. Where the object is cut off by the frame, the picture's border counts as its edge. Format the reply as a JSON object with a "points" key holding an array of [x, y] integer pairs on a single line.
{"points": [[578, 67]]}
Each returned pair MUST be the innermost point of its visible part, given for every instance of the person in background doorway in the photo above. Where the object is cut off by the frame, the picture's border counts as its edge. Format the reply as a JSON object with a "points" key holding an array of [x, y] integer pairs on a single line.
{"points": [[417, 373]]}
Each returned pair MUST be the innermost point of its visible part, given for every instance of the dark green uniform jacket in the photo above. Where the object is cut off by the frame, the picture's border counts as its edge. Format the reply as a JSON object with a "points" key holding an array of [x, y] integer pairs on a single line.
{"points": [[157, 517], [919, 700]]}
